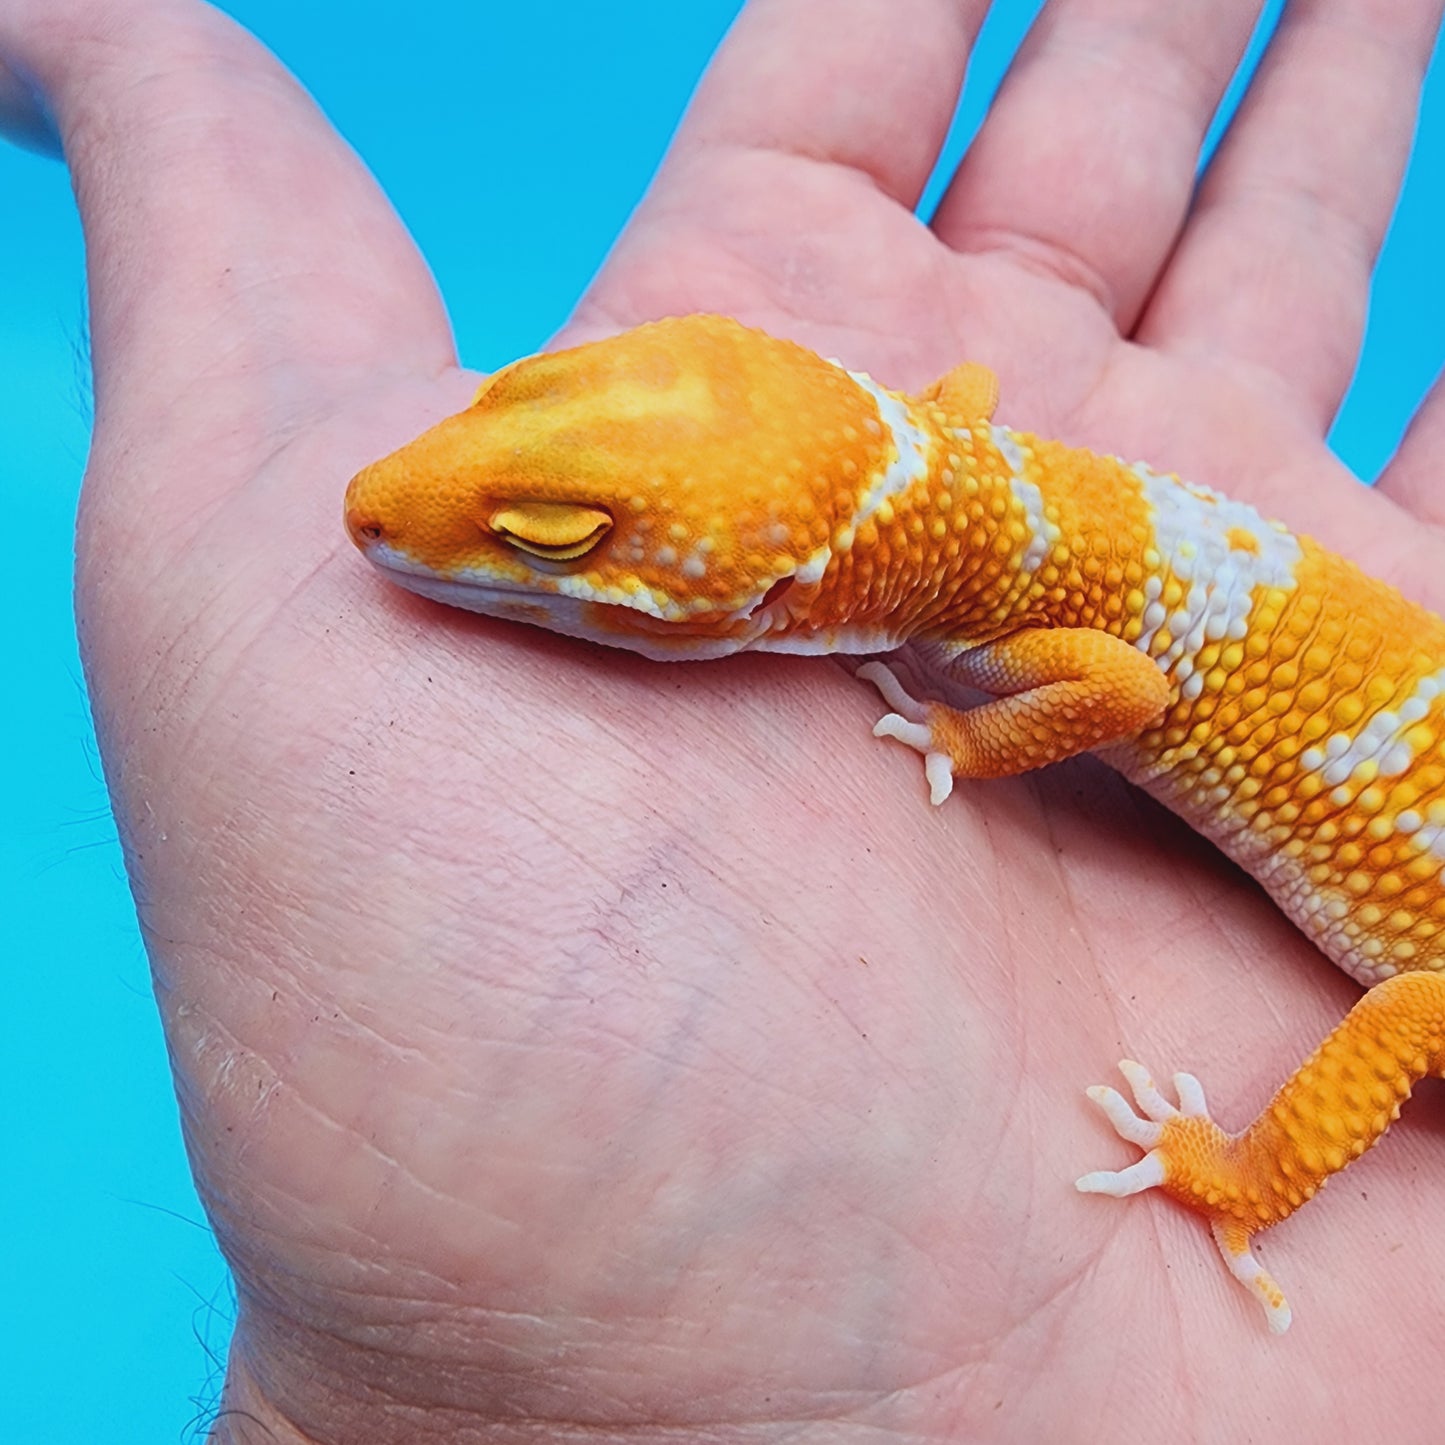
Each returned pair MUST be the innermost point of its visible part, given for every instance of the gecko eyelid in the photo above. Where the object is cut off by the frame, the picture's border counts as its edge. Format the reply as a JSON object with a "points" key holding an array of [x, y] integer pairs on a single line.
{"points": [[556, 531]]}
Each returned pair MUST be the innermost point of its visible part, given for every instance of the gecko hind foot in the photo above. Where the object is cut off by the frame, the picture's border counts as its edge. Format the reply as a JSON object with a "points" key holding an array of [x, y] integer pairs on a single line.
{"points": [[1147, 1123]]}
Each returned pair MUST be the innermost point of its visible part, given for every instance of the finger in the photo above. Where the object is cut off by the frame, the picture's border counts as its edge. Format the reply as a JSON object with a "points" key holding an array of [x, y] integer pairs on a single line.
{"points": [[852, 83], [765, 204], [230, 233], [1415, 477], [1273, 271], [1086, 163]]}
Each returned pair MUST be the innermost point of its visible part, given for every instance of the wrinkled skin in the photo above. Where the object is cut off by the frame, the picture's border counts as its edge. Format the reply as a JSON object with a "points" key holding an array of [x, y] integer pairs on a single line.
{"points": [[569, 1045]]}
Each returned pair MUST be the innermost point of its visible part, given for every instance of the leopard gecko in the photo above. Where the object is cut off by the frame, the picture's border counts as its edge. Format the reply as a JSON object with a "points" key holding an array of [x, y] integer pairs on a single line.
{"points": [[693, 488]]}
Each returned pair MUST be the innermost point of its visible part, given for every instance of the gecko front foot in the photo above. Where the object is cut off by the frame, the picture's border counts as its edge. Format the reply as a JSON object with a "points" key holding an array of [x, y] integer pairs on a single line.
{"points": [[908, 724], [1190, 1158]]}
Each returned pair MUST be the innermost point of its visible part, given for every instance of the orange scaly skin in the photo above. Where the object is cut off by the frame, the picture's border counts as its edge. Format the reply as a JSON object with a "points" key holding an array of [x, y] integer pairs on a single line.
{"points": [[693, 488]]}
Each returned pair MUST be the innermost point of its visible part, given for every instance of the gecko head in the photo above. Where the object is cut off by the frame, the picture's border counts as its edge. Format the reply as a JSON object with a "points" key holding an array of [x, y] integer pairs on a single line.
{"points": [[680, 489]]}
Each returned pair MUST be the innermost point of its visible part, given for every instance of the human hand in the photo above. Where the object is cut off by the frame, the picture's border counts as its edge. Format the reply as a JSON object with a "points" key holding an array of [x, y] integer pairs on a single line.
{"points": [[569, 1042]]}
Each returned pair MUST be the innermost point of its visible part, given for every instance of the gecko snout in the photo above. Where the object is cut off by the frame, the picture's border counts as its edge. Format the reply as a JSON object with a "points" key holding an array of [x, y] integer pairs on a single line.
{"points": [[364, 527]]}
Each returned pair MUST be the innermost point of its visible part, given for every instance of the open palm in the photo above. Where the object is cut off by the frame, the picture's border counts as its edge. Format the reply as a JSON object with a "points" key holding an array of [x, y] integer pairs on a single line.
{"points": [[568, 1043]]}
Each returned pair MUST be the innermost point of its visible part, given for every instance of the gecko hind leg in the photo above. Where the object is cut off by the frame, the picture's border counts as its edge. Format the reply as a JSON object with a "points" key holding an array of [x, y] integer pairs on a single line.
{"points": [[1334, 1107], [1146, 1128]]}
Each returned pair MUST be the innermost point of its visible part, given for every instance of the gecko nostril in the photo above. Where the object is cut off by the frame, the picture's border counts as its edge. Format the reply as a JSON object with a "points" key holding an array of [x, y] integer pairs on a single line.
{"points": [[363, 527]]}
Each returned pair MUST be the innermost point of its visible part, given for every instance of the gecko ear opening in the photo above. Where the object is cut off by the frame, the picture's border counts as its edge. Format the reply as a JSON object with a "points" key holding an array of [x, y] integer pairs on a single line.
{"points": [[558, 531]]}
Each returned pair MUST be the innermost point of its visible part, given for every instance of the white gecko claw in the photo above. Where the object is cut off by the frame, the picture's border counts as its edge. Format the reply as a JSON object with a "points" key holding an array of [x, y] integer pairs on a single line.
{"points": [[1144, 1128], [908, 724], [895, 725], [893, 692], [1153, 1103], [1241, 1263]]}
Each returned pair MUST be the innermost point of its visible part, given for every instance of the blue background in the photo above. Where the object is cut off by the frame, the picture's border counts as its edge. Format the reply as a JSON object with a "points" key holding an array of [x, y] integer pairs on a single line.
{"points": [[514, 146]]}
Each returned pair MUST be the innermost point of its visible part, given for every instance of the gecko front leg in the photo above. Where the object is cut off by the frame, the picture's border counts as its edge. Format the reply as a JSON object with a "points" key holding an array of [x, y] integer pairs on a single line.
{"points": [[1058, 691]]}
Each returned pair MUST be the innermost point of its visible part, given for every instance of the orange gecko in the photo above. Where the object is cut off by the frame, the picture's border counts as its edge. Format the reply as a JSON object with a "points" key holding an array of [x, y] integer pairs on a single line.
{"points": [[694, 488]]}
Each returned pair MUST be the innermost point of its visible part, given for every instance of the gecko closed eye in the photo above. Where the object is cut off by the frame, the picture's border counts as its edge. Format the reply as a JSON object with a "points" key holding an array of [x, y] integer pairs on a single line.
{"points": [[555, 531]]}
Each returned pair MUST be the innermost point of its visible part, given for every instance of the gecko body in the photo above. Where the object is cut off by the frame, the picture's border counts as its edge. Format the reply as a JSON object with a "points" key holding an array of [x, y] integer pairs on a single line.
{"points": [[694, 488]]}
